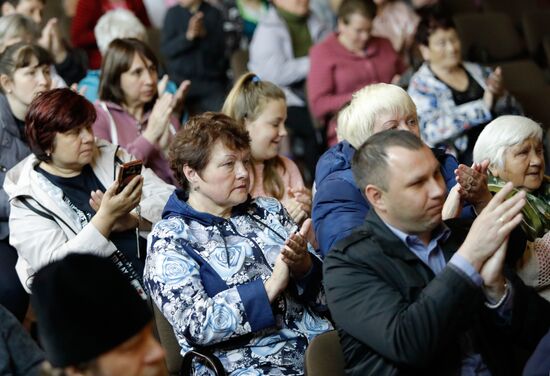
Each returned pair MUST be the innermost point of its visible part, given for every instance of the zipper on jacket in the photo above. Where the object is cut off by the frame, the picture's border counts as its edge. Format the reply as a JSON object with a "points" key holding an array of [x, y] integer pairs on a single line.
{"points": [[252, 240]]}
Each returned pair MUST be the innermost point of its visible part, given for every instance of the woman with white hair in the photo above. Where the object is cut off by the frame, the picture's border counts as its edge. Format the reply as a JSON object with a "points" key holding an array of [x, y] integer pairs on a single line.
{"points": [[339, 205], [513, 147]]}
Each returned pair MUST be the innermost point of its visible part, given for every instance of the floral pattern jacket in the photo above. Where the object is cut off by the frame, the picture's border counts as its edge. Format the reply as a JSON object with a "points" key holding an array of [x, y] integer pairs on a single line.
{"points": [[441, 120], [207, 274]]}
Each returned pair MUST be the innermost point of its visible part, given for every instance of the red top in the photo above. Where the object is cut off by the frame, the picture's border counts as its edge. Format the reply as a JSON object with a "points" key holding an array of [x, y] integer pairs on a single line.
{"points": [[336, 73], [88, 13]]}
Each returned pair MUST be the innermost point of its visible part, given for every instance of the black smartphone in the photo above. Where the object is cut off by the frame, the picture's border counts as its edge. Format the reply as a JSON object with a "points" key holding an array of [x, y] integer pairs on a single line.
{"points": [[127, 172]]}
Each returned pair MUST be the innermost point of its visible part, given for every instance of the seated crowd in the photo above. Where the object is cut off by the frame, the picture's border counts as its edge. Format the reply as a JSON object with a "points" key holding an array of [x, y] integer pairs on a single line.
{"points": [[339, 187]]}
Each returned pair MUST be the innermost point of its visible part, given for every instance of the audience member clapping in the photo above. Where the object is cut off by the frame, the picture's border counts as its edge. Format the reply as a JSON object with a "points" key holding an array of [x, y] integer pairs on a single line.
{"points": [[261, 107], [230, 273], [279, 53], [510, 148], [454, 99], [411, 294], [69, 63], [339, 205], [16, 28], [63, 198], [193, 46], [396, 21], [347, 61], [131, 111], [24, 73]]}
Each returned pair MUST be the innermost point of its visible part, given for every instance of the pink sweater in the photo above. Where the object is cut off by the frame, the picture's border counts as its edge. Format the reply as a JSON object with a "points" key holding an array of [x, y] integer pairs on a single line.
{"points": [[336, 73], [129, 137], [291, 178]]}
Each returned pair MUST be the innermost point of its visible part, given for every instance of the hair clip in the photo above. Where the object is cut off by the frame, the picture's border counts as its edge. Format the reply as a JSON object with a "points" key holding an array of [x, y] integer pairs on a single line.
{"points": [[255, 79]]}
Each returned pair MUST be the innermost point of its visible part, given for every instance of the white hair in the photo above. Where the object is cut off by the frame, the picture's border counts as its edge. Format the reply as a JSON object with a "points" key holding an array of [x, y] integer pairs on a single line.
{"points": [[118, 23], [500, 134], [16, 25], [356, 121]]}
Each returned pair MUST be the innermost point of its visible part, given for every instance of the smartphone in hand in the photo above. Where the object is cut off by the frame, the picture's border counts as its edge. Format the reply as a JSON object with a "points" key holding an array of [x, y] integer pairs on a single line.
{"points": [[127, 172]]}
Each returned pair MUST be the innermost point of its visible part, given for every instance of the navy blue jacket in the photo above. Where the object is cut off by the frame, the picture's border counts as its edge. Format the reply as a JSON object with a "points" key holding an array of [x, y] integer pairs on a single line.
{"points": [[539, 363], [339, 205]]}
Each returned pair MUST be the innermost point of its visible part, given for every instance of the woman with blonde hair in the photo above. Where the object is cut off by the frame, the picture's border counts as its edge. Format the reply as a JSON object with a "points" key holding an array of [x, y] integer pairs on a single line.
{"points": [[261, 107]]}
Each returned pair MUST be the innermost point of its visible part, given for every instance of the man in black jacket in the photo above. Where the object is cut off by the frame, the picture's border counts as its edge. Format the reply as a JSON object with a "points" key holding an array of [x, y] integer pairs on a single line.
{"points": [[413, 295]]}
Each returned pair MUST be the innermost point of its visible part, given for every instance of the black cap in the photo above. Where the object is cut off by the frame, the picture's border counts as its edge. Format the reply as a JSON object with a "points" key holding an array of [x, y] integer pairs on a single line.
{"points": [[85, 307]]}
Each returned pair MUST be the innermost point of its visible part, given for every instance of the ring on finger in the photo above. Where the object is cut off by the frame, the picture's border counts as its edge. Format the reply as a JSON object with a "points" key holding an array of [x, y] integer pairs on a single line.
{"points": [[501, 220]]}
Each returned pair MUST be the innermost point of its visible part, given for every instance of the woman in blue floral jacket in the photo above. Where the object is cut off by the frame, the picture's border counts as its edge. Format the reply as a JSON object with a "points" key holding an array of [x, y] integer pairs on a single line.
{"points": [[228, 272], [454, 99]]}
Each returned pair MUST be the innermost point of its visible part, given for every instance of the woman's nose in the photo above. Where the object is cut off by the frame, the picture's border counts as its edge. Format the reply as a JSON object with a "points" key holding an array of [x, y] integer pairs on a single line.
{"points": [[242, 170], [87, 134], [282, 130]]}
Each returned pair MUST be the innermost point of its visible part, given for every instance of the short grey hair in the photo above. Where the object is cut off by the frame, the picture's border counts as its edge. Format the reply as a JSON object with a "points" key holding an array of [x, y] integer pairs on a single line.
{"points": [[500, 134], [118, 24], [356, 121], [16, 25]]}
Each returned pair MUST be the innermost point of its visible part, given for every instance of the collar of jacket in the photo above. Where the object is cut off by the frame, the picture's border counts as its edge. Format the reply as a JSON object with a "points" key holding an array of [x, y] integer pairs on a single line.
{"points": [[177, 206], [394, 247]]}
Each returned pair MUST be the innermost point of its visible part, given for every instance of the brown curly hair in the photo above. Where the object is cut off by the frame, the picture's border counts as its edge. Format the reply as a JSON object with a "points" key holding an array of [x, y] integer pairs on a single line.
{"points": [[193, 143]]}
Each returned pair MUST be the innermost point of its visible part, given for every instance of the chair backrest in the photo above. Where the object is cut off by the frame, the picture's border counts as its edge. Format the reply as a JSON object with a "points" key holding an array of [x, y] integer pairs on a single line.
{"points": [[513, 8], [481, 42], [168, 341], [460, 6], [546, 46], [536, 25], [522, 74], [324, 356]]}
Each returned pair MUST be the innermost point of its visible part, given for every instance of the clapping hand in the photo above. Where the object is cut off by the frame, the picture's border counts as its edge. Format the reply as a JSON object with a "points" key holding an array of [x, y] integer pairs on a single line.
{"points": [[295, 253], [472, 182], [492, 227], [113, 210], [195, 29]]}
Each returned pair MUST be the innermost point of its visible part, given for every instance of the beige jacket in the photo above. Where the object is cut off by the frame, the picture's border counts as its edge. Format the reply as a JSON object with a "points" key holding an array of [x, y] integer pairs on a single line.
{"points": [[40, 239]]}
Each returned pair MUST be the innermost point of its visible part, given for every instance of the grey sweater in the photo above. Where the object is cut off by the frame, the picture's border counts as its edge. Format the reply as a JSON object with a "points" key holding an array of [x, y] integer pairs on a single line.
{"points": [[19, 354], [12, 150]]}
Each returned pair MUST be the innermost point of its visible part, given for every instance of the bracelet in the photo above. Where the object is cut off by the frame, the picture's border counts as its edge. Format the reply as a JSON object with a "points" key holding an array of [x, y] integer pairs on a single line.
{"points": [[502, 299]]}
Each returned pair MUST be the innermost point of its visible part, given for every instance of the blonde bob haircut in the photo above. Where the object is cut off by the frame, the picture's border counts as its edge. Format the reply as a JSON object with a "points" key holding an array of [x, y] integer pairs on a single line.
{"points": [[356, 121], [500, 134]]}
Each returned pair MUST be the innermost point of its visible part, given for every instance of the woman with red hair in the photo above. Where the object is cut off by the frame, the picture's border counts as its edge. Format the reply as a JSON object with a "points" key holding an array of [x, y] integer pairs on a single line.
{"points": [[64, 197]]}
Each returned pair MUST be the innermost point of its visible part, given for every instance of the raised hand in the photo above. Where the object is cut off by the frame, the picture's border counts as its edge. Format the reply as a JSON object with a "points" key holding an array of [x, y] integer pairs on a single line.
{"points": [[303, 196], [472, 183], [195, 29], [453, 204], [159, 120], [495, 88], [295, 253], [491, 273], [492, 226], [112, 207]]}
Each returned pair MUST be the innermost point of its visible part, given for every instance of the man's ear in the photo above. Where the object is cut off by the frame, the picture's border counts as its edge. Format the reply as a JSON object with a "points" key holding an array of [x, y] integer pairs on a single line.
{"points": [[424, 51], [375, 195], [7, 8]]}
